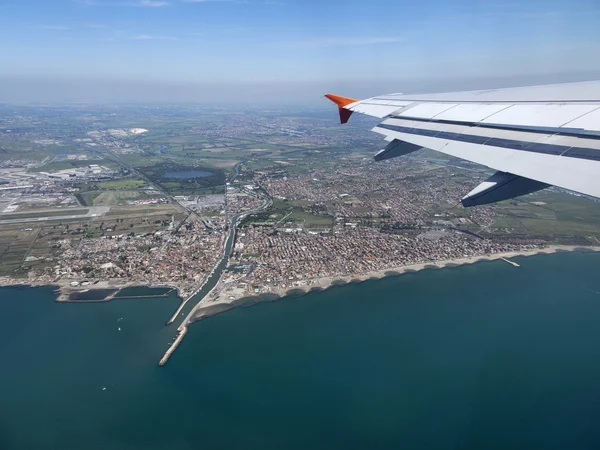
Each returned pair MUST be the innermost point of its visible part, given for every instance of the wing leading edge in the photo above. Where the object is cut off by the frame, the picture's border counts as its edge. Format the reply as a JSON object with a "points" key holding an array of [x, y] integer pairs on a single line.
{"points": [[533, 136]]}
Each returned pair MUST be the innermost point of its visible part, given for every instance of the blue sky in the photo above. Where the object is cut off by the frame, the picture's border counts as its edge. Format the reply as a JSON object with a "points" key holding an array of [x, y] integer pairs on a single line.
{"points": [[287, 42]]}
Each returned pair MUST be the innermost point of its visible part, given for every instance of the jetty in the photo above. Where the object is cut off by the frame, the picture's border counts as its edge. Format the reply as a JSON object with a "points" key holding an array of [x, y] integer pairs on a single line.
{"points": [[182, 332], [510, 262]]}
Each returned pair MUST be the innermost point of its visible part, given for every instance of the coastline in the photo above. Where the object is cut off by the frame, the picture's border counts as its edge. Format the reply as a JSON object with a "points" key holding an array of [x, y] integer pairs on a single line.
{"points": [[226, 299], [64, 288], [232, 292], [221, 298]]}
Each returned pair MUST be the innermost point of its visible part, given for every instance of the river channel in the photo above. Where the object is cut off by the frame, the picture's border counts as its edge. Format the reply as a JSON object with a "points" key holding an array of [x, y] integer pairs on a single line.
{"points": [[217, 272], [214, 277]]}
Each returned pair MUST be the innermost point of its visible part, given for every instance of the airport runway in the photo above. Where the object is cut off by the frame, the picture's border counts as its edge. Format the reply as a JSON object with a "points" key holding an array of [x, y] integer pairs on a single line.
{"points": [[93, 211]]}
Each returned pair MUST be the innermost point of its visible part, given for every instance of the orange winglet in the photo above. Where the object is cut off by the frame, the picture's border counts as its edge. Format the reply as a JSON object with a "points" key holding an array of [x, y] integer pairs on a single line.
{"points": [[342, 102]]}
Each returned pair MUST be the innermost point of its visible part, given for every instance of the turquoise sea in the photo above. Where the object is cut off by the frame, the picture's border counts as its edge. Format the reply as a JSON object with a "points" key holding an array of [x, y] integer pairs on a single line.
{"points": [[486, 356]]}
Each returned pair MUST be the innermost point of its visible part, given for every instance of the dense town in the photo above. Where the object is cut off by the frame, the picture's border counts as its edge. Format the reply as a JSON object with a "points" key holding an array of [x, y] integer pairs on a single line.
{"points": [[381, 217], [161, 258], [97, 207]]}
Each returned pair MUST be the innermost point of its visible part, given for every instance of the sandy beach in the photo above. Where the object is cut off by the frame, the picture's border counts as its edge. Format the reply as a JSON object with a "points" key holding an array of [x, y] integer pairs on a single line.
{"points": [[228, 295]]}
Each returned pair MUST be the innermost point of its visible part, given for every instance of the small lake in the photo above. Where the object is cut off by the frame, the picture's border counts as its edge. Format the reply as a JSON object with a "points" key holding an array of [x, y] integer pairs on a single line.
{"points": [[186, 174]]}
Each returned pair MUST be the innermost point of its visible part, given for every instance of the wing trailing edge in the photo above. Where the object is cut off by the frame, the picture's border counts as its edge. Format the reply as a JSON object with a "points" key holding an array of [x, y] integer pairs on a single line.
{"points": [[501, 186]]}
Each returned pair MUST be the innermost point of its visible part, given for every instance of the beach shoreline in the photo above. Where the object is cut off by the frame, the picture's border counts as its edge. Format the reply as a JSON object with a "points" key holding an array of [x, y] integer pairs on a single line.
{"points": [[225, 299]]}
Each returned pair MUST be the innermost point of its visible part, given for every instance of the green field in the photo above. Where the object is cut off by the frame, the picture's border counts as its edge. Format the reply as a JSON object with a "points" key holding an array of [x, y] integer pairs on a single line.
{"points": [[14, 245], [110, 198], [293, 212], [125, 184], [142, 210], [556, 216], [311, 221]]}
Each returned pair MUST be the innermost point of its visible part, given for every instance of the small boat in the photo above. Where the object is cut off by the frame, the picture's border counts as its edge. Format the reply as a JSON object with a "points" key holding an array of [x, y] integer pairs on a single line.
{"points": [[119, 328], [104, 388]]}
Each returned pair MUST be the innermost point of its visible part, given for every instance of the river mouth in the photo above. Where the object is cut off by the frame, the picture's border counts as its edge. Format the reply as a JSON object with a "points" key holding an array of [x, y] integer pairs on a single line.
{"points": [[187, 174]]}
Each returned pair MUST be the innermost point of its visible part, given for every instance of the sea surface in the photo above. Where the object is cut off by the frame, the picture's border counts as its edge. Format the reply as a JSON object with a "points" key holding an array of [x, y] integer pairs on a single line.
{"points": [[486, 356]]}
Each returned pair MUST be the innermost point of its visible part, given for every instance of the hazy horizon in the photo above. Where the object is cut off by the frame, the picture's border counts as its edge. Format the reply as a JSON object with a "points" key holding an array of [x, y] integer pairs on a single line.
{"points": [[64, 90]]}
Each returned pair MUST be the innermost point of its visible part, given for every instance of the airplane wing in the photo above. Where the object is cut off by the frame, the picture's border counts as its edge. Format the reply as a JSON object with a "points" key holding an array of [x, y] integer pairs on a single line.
{"points": [[533, 136]]}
